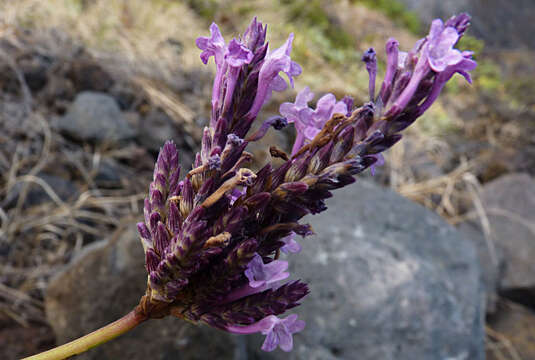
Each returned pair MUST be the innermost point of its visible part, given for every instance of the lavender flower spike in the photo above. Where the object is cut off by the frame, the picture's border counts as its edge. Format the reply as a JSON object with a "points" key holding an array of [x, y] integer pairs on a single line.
{"points": [[269, 78], [279, 331], [212, 240]]}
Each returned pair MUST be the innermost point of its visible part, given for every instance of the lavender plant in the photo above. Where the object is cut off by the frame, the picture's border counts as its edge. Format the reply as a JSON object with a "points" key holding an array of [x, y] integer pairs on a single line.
{"points": [[212, 240]]}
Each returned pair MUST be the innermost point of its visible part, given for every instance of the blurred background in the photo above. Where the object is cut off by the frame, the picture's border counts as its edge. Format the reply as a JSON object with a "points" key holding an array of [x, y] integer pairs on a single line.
{"points": [[90, 90]]}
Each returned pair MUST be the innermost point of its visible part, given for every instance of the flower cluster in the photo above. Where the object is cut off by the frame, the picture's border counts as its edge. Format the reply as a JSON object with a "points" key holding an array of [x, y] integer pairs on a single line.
{"points": [[212, 240]]}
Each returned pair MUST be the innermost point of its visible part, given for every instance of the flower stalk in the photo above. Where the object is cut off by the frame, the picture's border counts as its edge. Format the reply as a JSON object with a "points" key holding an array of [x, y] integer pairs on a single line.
{"points": [[91, 340]]}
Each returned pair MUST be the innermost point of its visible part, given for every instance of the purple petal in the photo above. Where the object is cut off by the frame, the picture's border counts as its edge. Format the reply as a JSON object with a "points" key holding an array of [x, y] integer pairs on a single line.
{"points": [[260, 274], [291, 246], [237, 54], [285, 338], [269, 79], [212, 46], [271, 342]]}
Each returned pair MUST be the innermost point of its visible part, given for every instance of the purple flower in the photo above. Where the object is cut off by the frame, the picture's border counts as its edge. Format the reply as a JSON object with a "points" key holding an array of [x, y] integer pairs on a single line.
{"points": [[290, 245], [229, 59], [212, 46], [379, 161], [260, 275], [269, 79], [235, 194], [279, 331], [435, 55], [237, 55], [462, 67], [441, 53], [308, 122], [370, 59]]}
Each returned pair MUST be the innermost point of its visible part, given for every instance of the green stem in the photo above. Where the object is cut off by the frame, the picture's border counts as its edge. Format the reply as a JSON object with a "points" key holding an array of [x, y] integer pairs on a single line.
{"points": [[97, 337]]}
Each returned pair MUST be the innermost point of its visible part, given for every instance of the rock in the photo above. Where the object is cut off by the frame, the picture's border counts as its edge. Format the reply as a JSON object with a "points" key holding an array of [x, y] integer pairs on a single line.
{"points": [[501, 24], [155, 129], [95, 117], [104, 283], [88, 75], [490, 258], [110, 173], [512, 328], [35, 70], [510, 205], [389, 280]]}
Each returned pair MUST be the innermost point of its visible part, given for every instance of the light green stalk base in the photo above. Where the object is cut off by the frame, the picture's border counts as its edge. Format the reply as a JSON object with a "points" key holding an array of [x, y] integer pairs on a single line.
{"points": [[97, 337]]}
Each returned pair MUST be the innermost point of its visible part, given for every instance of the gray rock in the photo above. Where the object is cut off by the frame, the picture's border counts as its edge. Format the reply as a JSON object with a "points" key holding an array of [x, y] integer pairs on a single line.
{"points": [[155, 129], [104, 283], [95, 117], [502, 24], [510, 205], [110, 173], [491, 260], [389, 280]]}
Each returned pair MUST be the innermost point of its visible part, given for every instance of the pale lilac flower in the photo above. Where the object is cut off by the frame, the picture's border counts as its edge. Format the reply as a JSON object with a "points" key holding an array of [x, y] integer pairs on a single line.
{"points": [[269, 79], [462, 67], [308, 122], [236, 56], [441, 53], [261, 275], [379, 161], [290, 245], [278, 331], [212, 46], [436, 53]]}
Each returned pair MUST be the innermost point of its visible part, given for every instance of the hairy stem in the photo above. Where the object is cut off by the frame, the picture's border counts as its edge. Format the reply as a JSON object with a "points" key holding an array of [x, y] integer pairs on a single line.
{"points": [[97, 337]]}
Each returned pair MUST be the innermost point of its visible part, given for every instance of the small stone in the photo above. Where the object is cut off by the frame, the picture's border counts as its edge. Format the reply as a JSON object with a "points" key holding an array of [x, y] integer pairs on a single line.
{"points": [[490, 258], [95, 117], [510, 205], [88, 75], [155, 129], [110, 174]]}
